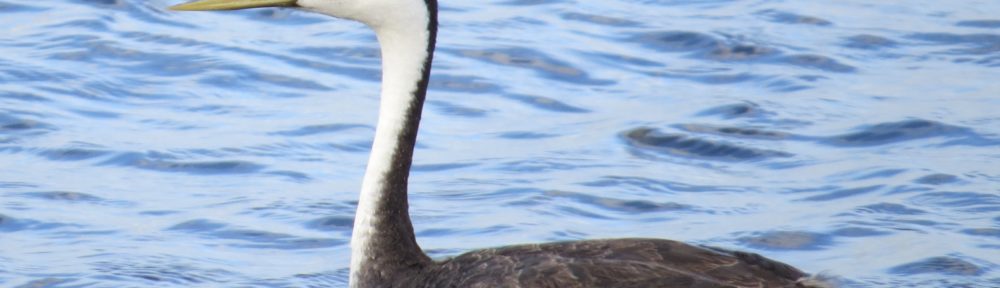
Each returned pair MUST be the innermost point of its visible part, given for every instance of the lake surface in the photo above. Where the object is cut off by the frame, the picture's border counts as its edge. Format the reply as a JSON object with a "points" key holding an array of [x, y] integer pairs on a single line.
{"points": [[141, 147]]}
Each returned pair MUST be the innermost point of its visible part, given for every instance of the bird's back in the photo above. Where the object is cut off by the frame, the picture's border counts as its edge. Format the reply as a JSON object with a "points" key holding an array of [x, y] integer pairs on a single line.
{"points": [[621, 263]]}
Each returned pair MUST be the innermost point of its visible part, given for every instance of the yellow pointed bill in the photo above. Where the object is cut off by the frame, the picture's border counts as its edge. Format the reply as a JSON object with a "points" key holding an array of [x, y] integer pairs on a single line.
{"points": [[206, 5]]}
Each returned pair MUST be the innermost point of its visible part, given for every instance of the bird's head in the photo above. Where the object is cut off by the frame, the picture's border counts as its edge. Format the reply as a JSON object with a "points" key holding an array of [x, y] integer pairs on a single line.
{"points": [[374, 13]]}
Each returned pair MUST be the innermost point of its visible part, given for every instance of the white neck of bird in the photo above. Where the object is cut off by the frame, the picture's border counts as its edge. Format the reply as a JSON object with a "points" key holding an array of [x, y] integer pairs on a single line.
{"points": [[382, 227]]}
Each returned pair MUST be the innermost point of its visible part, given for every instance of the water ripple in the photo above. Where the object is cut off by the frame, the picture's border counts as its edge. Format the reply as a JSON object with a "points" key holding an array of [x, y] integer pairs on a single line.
{"points": [[526, 58], [787, 240], [165, 163], [909, 130], [940, 265], [792, 18], [252, 238], [701, 148]]}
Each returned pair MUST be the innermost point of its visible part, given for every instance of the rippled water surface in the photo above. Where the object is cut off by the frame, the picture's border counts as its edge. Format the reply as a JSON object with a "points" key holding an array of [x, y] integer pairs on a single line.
{"points": [[146, 148]]}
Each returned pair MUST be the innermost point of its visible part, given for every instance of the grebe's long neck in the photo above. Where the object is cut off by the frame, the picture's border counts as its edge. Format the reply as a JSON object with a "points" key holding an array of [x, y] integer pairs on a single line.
{"points": [[383, 243]]}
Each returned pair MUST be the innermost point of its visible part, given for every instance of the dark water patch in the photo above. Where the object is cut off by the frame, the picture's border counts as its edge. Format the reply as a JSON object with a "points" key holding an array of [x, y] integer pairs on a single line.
{"points": [[778, 16], [527, 135], [973, 44], [709, 47], [889, 208], [985, 232], [299, 151], [331, 223], [90, 24], [290, 175], [730, 111], [337, 278], [252, 238], [545, 103], [787, 240], [693, 147], [979, 23], [509, 195], [160, 271], [819, 62], [967, 201], [14, 72], [18, 8], [457, 110], [843, 193], [897, 223], [677, 41], [541, 165], [937, 179], [945, 265], [714, 78], [165, 163], [858, 232], [359, 146], [48, 282], [448, 232], [866, 174], [576, 212], [10, 224], [464, 84], [252, 79], [618, 205], [600, 20], [96, 114], [19, 96], [291, 210], [740, 52], [531, 2], [736, 132], [6, 223], [16, 185], [785, 85], [440, 232], [526, 58], [10, 124], [909, 130], [213, 109], [658, 185], [903, 189], [869, 42], [441, 167], [159, 212], [64, 196], [172, 40], [615, 60], [72, 154], [319, 129]]}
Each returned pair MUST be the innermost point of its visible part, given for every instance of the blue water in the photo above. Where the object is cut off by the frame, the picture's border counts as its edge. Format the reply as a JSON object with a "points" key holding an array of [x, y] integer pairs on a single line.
{"points": [[146, 148]]}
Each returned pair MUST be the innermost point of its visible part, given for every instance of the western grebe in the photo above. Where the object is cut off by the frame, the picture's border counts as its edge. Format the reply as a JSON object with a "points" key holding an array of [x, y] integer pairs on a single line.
{"points": [[384, 250]]}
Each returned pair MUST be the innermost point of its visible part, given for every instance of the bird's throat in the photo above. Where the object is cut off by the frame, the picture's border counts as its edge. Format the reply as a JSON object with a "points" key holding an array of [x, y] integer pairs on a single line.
{"points": [[383, 242]]}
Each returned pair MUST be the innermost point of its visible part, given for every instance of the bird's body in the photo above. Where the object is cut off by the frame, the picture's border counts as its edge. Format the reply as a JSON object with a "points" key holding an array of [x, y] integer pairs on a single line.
{"points": [[385, 253], [623, 263]]}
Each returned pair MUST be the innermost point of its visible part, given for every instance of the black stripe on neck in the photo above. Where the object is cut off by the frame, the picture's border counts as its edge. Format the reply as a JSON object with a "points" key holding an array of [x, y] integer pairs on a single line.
{"points": [[395, 253]]}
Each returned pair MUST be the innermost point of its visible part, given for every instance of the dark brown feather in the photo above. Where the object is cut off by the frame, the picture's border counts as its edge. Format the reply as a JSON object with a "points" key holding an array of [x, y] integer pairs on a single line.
{"points": [[615, 263]]}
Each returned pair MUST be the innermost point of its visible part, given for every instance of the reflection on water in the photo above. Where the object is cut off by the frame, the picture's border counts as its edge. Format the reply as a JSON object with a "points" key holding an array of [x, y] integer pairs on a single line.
{"points": [[145, 148]]}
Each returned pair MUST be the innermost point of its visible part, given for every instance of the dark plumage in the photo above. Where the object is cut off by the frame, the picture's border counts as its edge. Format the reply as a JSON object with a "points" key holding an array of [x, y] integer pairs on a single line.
{"points": [[622, 263]]}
